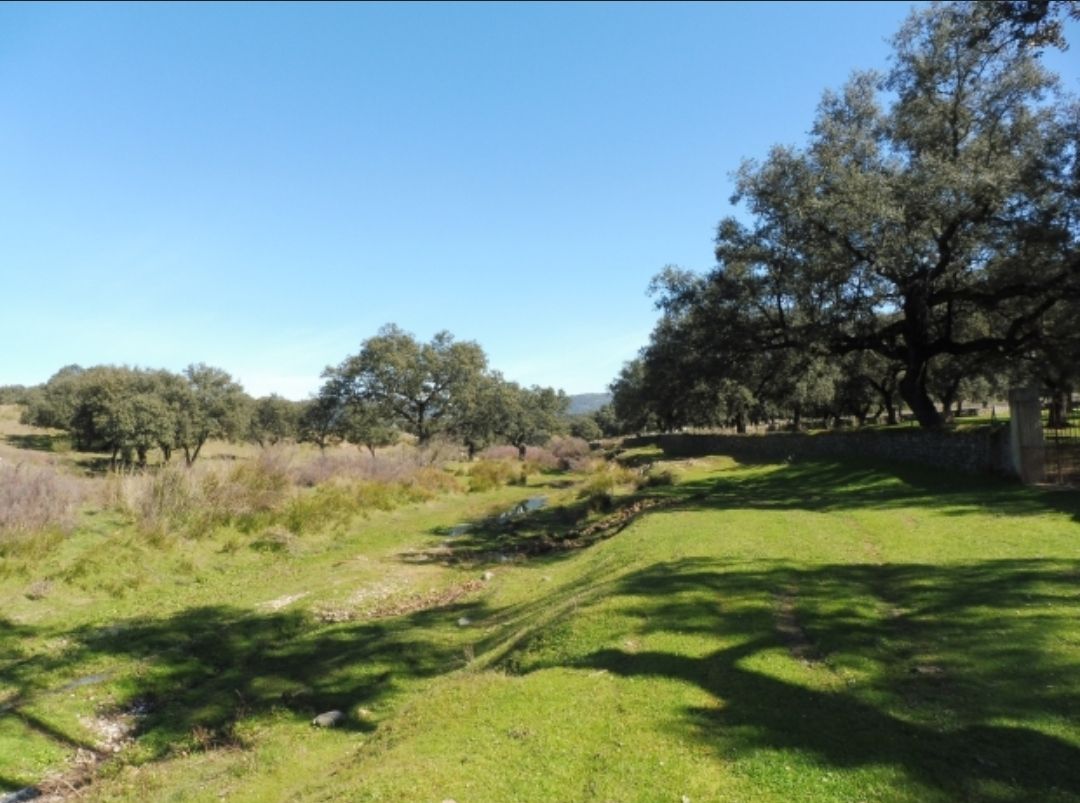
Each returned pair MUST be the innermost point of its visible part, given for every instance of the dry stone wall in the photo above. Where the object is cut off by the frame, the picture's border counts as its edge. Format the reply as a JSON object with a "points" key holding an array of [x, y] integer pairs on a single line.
{"points": [[979, 451]]}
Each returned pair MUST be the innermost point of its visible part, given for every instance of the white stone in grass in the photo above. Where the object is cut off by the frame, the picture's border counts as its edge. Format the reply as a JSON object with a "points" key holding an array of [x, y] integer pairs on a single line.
{"points": [[488, 576], [464, 621], [328, 719]]}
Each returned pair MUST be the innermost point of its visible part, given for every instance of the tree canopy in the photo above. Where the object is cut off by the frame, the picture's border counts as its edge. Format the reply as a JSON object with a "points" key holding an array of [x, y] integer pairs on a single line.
{"points": [[928, 225], [444, 387]]}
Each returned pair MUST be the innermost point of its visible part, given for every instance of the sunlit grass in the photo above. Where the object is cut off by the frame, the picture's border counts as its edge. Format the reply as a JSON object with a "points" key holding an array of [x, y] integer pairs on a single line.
{"points": [[807, 631]]}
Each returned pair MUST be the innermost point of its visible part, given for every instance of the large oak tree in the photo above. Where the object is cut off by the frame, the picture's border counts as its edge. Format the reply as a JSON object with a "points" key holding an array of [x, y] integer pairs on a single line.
{"points": [[933, 213]]}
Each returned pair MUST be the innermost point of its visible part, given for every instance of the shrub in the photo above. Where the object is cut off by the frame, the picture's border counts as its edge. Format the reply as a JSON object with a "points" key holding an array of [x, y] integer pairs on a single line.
{"points": [[274, 539], [36, 498], [598, 491], [248, 489], [539, 459], [487, 474], [260, 493], [656, 477], [157, 501], [599, 487], [324, 505], [569, 448], [504, 452], [197, 499], [350, 464], [434, 481]]}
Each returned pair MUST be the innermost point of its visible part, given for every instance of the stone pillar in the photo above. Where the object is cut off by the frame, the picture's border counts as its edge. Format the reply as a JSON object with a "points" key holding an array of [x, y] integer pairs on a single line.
{"points": [[1026, 435]]}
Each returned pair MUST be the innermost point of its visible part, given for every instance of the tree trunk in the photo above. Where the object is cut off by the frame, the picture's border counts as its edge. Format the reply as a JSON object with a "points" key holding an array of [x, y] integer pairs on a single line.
{"points": [[891, 416], [740, 423], [861, 414], [1059, 408], [796, 418], [191, 456], [949, 399], [522, 449], [913, 391]]}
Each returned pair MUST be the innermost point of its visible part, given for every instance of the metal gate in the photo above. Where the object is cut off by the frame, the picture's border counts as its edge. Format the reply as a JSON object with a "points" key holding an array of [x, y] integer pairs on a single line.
{"points": [[1063, 451]]}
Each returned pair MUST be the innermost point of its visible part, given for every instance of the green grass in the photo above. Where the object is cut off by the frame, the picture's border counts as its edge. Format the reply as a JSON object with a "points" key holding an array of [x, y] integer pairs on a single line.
{"points": [[804, 632]]}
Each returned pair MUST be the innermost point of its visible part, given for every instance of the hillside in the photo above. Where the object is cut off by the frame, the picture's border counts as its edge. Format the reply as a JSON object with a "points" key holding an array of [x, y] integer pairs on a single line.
{"points": [[584, 403]]}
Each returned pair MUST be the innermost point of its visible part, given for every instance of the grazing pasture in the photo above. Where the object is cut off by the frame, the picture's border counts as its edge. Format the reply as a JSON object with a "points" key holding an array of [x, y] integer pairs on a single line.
{"points": [[696, 629]]}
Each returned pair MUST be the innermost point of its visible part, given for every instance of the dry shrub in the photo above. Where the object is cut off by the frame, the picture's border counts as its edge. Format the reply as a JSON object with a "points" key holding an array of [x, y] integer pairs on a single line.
{"points": [[350, 464], [536, 458], [247, 489], [158, 501], [197, 499], [257, 494], [333, 465], [568, 449], [540, 459], [434, 481], [439, 451], [504, 452], [34, 499]]}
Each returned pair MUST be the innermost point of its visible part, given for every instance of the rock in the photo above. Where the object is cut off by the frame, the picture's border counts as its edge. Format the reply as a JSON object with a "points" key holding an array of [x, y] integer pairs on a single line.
{"points": [[488, 576], [29, 793], [464, 621], [329, 719]]}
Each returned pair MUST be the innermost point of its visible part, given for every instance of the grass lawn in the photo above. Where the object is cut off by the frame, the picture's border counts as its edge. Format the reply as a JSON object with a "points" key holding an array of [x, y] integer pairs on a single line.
{"points": [[804, 632]]}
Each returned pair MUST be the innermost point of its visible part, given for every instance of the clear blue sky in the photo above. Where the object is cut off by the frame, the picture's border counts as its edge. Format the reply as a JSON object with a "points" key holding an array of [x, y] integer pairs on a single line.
{"points": [[260, 187]]}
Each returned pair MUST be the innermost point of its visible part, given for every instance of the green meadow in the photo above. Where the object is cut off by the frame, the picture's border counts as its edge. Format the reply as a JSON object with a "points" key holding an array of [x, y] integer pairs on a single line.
{"points": [[724, 631]]}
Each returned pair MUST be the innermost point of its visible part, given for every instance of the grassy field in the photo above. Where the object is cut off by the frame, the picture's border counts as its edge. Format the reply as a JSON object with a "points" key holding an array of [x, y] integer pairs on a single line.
{"points": [[812, 631]]}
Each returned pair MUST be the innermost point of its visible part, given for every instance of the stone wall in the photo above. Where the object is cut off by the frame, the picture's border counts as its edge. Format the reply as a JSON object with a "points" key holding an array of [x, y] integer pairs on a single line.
{"points": [[980, 451]]}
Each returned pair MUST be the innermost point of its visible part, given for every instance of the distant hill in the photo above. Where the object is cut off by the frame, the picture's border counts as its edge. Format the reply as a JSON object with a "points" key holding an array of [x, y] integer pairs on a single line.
{"points": [[582, 403]]}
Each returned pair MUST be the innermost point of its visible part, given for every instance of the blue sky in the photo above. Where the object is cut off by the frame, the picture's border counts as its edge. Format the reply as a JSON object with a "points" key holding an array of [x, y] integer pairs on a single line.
{"points": [[261, 187]]}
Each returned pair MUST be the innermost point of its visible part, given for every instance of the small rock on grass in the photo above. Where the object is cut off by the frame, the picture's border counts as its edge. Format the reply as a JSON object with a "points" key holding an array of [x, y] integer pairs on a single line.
{"points": [[329, 719], [488, 576], [464, 621]]}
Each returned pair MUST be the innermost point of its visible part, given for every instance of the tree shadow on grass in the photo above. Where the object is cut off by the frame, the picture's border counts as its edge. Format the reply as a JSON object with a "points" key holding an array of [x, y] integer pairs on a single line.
{"points": [[501, 536], [964, 672], [820, 486], [548, 533], [38, 442], [203, 670]]}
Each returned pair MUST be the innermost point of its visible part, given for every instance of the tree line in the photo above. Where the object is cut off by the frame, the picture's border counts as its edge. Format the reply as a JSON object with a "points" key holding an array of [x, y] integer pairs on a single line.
{"points": [[920, 248], [392, 387]]}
